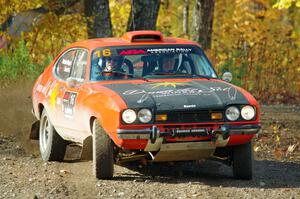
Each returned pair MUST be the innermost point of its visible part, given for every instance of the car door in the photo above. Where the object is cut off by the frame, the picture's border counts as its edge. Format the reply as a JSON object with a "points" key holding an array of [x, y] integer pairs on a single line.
{"points": [[72, 97], [61, 72]]}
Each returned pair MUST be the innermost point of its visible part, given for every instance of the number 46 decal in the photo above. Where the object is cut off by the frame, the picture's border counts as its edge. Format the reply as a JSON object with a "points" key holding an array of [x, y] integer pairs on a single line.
{"points": [[105, 53]]}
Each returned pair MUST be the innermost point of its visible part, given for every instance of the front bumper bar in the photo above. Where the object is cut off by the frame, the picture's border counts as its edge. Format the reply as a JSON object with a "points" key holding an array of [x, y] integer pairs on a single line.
{"points": [[153, 133]]}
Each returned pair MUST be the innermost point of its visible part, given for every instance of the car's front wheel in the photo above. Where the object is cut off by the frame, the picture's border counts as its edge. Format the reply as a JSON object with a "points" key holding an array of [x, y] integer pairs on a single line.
{"points": [[103, 162], [52, 146], [242, 161]]}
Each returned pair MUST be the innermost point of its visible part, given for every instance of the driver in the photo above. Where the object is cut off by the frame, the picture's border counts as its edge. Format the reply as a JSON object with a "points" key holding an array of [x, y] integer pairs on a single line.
{"points": [[111, 64], [168, 63], [110, 67]]}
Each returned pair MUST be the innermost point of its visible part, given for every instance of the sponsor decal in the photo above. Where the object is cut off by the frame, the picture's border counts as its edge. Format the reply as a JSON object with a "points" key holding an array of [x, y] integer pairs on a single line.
{"points": [[67, 62], [179, 95], [232, 93], [67, 69], [53, 95], [133, 52], [39, 88], [189, 106], [58, 101], [168, 84], [189, 91], [47, 88], [104, 53], [68, 103], [169, 50], [51, 90], [175, 92]]}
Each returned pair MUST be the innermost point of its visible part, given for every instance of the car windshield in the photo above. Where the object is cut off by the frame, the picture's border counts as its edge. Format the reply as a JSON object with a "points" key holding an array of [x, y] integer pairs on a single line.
{"points": [[150, 62]]}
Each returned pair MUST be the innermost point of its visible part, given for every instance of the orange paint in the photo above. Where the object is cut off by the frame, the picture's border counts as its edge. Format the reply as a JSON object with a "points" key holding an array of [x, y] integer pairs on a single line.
{"points": [[93, 100]]}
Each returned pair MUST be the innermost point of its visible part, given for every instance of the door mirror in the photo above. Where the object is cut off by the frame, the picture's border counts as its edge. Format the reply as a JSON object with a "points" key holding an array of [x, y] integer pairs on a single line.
{"points": [[227, 76], [72, 82]]}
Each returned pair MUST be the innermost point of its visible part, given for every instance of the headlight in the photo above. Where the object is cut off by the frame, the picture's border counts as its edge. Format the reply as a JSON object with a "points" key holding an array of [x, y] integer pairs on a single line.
{"points": [[232, 113], [145, 115], [129, 116], [248, 112]]}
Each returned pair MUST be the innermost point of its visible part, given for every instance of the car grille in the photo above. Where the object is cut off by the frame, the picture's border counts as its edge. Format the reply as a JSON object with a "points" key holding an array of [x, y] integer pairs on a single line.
{"points": [[190, 116]]}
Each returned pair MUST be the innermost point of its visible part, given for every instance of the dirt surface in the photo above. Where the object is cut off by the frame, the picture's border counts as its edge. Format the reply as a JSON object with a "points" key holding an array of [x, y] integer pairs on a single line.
{"points": [[25, 175]]}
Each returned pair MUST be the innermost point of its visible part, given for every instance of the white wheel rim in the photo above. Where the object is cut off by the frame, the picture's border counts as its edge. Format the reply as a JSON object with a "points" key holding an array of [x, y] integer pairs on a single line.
{"points": [[46, 129]]}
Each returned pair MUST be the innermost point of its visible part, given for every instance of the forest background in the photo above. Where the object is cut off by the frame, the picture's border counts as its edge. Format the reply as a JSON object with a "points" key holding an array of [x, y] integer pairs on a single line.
{"points": [[258, 41]]}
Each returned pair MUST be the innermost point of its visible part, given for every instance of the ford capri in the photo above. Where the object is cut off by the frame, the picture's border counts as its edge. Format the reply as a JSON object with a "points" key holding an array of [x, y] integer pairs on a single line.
{"points": [[142, 97]]}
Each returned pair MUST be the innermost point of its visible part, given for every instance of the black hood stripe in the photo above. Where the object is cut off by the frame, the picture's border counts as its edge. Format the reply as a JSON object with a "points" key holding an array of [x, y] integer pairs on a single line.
{"points": [[197, 94]]}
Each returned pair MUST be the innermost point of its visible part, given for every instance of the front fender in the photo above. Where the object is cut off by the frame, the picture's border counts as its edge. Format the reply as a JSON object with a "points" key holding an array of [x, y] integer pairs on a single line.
{"points": [[106, 107]]}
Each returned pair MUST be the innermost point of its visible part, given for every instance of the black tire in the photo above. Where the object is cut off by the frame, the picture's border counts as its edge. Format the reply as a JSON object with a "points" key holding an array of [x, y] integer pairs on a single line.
{"points": [[242, 161], [103, 162], [52, 146]]}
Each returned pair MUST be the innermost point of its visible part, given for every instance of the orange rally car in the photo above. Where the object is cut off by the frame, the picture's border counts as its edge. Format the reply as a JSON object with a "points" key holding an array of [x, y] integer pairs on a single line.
{"points": [[142, 96]]}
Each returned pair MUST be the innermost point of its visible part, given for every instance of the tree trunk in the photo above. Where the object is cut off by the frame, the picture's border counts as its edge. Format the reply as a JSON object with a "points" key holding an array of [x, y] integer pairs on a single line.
{"points": [[98, 18], [202, 22], [186, 17], [143, 15]]}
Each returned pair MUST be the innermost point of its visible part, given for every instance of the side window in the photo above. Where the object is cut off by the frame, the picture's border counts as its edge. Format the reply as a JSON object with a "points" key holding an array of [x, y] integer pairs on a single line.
{"points": [[64, 64], [186, 67], [80, 64], [186, 64], [200, 66]]}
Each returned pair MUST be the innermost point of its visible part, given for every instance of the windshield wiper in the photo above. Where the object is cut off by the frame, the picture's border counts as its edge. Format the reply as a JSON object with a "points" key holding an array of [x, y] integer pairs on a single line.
{"points": [[116, 72], [141, 77], [167, 73], [180, 74], [126, 74], [202, 76]]}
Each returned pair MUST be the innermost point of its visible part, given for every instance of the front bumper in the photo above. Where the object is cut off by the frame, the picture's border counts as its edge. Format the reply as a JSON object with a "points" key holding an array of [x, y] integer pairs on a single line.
{"points": [[153, 133]]}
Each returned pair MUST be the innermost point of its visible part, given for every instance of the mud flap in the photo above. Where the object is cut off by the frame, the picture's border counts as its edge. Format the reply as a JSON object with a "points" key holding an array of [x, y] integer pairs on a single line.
{"points": [[35, 128], [184, 151], [87, 149]]}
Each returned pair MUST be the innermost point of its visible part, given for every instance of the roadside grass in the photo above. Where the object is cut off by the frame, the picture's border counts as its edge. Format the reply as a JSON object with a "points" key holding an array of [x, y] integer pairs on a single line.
{"points": [[16, 65]]}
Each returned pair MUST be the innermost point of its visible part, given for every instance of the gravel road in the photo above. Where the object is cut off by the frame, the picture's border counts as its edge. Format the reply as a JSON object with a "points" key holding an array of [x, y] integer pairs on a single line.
{"points": [[25, 175]]}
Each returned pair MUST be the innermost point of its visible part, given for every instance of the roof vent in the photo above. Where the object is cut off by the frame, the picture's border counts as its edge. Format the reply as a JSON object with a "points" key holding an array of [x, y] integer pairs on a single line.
{"points": [[143, 36]]}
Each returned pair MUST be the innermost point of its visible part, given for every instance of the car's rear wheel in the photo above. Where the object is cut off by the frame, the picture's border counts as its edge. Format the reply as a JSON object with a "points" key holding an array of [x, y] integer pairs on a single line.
{"points": [[242, 161], [52, 146], [103, 162]]}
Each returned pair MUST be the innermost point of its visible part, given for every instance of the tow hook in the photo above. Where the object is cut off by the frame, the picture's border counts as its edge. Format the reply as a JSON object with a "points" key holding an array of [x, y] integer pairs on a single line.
{"points": [[153, 134], [213, 137], [223, 130]]}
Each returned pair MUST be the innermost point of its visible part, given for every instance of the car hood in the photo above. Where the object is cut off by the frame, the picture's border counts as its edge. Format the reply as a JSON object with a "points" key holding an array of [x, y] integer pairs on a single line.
{"points": [[173, 95]]}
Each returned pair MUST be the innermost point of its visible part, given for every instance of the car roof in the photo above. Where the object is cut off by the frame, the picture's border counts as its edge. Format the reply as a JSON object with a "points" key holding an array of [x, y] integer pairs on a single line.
{"points": [[132, 38]]}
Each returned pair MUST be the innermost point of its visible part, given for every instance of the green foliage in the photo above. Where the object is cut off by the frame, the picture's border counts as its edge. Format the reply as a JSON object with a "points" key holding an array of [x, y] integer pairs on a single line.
{"points": [[260, 46], [285, 4], [17, 64], [119, 11], [170, 17], [258, 41], [11, 6]]}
